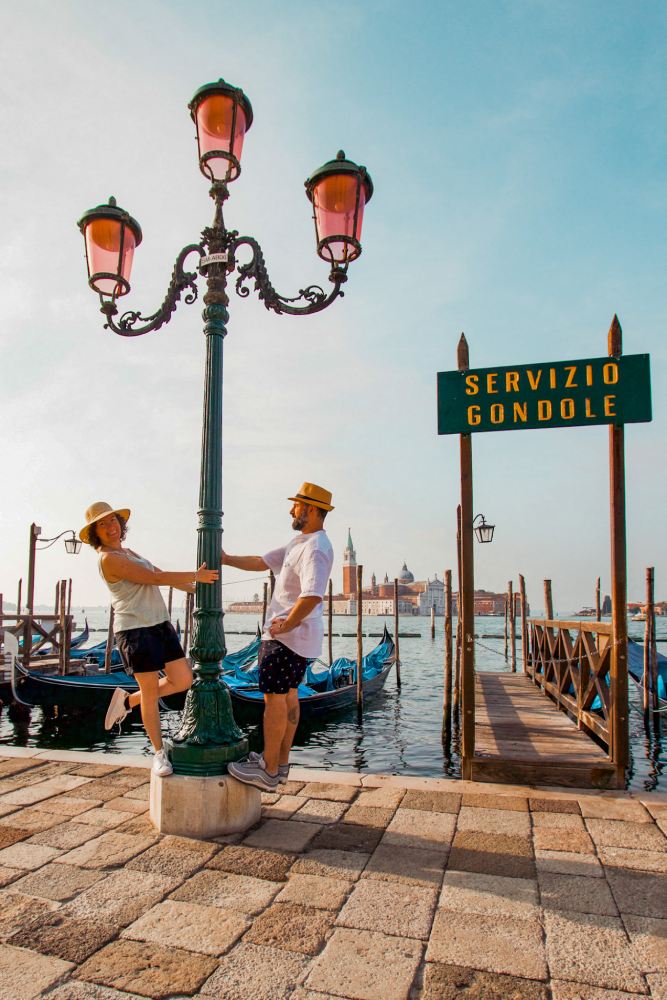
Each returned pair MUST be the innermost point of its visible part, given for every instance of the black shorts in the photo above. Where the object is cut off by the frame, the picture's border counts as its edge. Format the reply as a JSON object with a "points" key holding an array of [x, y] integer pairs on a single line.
{"points": [[148, 649], [279, 668]]}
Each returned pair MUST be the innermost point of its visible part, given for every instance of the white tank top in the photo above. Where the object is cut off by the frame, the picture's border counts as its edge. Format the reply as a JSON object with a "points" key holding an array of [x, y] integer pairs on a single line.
{"points": [[135, 605]]}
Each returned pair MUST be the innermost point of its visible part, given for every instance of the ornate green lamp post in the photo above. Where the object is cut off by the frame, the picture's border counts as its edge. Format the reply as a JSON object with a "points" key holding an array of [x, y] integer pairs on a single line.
{"points": [[209, 737]]}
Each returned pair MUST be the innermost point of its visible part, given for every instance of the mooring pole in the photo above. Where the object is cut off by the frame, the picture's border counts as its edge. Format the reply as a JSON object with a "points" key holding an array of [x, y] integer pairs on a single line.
{"points": [[598, 612], [467, 589], [272, 581], [265, 601], [512, 620], [618, 674], [457, 660], [506, 630], [69, 596], [109, 646], [524, 624], [433, 621], [360, 643], [397, 651], [330, 621], [447, 701], [18, 598], [646, 679]]}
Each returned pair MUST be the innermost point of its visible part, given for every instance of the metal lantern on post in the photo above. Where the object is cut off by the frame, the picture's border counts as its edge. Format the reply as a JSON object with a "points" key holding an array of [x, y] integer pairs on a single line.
{"points": [[209, 738], [339, 191], [483, 531], [111, 236]]}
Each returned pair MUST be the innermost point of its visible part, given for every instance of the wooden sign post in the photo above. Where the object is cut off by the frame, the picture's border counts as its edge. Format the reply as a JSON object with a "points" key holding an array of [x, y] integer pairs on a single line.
{"points": [[613, 390]]}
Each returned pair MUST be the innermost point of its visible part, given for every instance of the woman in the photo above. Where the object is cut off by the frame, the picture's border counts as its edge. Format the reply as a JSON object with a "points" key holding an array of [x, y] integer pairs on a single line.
{"points": [[145, 637]]}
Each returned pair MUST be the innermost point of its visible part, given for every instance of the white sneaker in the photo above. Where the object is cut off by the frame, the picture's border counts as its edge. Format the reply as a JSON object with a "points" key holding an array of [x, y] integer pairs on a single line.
{"points": [[117, 709], [161, 764]]}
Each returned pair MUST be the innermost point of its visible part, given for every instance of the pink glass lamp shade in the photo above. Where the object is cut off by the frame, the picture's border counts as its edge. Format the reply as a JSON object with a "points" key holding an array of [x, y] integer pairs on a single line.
{"points": [[111, 236], [339, 191], [223, 115]]}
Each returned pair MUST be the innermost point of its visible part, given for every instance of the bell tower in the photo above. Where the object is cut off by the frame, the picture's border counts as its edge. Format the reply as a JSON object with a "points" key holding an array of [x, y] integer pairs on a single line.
{"points": [[349, 567]]}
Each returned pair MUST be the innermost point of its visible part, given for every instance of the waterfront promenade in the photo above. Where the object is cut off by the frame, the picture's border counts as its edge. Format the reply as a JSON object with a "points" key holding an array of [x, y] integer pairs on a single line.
{"points": [[360, 886]]}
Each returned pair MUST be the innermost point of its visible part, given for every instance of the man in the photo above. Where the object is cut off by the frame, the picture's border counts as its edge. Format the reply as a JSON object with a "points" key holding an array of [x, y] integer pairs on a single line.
{"points": [[293, 631]]}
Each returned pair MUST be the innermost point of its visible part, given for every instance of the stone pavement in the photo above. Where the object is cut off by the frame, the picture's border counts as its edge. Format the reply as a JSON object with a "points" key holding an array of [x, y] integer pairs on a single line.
{"points": [[373, 888]]}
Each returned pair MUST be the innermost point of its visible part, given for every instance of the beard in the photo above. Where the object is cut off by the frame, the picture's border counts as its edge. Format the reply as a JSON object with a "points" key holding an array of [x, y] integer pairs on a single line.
{"points": [[298, 523]]}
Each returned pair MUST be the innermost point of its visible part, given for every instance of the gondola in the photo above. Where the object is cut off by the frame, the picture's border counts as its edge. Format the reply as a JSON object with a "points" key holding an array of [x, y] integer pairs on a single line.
{"points": [[636, 670], [77, 640], [325, 689]]}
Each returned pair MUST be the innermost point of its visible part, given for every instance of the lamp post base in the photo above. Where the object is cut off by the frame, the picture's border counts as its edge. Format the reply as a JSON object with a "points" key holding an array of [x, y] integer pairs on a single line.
{"points": [[188, 806], [209, 738]]}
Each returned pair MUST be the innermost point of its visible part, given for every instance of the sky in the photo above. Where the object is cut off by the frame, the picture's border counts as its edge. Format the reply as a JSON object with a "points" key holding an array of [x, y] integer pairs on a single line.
{"points": [[518, 154]]}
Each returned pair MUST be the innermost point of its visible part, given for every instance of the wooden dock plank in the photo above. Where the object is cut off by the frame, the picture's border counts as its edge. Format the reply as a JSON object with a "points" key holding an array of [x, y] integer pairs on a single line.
{"points": [[521, 736]]}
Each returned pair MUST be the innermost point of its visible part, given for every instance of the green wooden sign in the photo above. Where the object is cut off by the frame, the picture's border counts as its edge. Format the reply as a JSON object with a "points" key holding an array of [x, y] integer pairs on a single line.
{"points": [[554, 394]]}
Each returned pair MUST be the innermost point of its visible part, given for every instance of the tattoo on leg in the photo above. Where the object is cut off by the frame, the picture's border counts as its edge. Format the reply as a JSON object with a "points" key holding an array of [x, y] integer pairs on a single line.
{"points": [[293, 716]]}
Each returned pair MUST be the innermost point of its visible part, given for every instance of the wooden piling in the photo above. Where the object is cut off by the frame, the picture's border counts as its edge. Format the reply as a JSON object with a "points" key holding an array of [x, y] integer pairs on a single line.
{"points": [[360, 643], [646, 679], [18, 597], [170, 601], [69, 596], [524, 624], [447, 701], [397, 651], [62, 614], [548, 601], [272, 582], [433, 621], [457, 670], [330, 621], [506, 631], [110, 641], [467, 589], [512, 619], [265, 601], [56, 605], [598, 610]]}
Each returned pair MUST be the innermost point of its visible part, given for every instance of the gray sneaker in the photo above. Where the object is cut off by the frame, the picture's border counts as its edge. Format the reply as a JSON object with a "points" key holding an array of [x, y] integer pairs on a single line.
{"points": [[283, 769], [253, 772]]}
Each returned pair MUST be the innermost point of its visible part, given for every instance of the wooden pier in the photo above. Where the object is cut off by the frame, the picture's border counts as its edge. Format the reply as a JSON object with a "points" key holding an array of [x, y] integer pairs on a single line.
{"points": [[521, 738]]}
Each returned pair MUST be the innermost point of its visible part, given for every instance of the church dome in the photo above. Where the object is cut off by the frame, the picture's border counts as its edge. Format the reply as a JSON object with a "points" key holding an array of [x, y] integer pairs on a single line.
{"points": [[405, 576]]}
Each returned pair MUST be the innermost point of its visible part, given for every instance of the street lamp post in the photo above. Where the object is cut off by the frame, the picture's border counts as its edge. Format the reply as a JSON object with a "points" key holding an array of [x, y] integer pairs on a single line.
{"points": [[37, 543], [209, 738], [484, 531]]}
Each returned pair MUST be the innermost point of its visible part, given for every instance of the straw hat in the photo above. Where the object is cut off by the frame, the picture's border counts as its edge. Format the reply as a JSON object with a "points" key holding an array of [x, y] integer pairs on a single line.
{"points": [[96, 512], [316, 496]]}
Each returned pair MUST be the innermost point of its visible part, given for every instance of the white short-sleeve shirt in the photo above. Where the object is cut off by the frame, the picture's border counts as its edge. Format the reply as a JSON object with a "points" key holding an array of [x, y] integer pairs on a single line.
{"points": [[302, 569]]}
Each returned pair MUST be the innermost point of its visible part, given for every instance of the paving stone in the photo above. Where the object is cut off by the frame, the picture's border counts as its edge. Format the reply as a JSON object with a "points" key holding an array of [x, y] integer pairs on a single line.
{"points": [[103, 817], [108, 851], [68, 805], [6, 809], [334, 792], [385, 797], [123, 804], [590, 948], [27, 856], [57, 882], [512, 857], [94, 770], [315, 890], [446, 802], [268, 798], [357, 965], [649, 941], [284, 807], [31, 776], [37, 973], [320, 811], [623, 857], [572, 892], [65, 836], [346, 865], [205, 929], [490, 943], [293, 787], [302, 994], [45, 789], [506, 821], [375, 817], [348, 837], [147, 969], [568, 863], [282, 835], [421, 829], [448, 982], [141, 790], [391, 907], [14, 765], [8, 875], [295, 928], [177, 857], [121, 897], [636, 836], [12, 835], [64, 936], [658, 985], [641, 893], [482, 800], [252, 972], [554, 806], [31, 819], [557, 821], [600, 807], [74, 990], [574, 841], [235, 892], [139, 825], [15, 907], [393, 863], [270, 865], [561, 990], [104, 789], [465, 892]]}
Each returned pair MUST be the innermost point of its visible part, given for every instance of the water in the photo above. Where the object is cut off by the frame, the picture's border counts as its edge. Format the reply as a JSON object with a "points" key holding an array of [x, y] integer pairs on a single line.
{"points": [[400, 732]]}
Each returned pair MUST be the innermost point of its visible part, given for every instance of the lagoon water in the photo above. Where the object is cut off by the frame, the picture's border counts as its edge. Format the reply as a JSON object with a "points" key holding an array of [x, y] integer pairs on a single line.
{"points": [[400, 732]]}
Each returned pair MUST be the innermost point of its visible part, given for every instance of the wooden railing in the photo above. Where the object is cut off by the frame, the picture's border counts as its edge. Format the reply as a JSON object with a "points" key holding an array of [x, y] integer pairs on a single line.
{"points": [[34, 632], [571, 662]]}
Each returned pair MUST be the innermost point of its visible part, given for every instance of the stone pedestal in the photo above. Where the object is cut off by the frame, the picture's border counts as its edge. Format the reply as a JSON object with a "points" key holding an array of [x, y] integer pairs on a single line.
{"points": [[203, 807]]}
